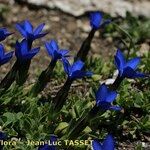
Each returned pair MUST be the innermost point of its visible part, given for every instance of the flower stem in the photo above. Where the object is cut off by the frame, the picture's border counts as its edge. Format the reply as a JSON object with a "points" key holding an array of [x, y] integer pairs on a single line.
{"points": [[43, 79], [82, 123], [62, 94], [85, 47], [116, 83], [10, 77]]}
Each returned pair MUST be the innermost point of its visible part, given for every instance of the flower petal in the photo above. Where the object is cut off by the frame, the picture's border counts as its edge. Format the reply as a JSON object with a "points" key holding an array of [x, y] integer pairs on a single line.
{"points": [[78, 65], [133, 63], [54, 45], [1, 50], [28, 26], [80, 74], [96, 145], [67, 66], [95, 20], [39, 35], [111, 95], [130, 73], [101, 93], [21, 30], [49, 49], [39, 28], [119, 61], [63, 52], [108, 143]]}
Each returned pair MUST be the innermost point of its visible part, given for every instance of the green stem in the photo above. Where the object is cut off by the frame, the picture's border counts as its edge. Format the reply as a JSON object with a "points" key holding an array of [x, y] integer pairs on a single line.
{"points": [[85, 47], [62, 94]]}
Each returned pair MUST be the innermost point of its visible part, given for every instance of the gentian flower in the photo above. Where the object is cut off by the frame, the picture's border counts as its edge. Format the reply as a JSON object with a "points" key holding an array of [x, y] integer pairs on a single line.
{"points": [[108, 144], [3, 136], [75, 70], [104, 98], [53, 139], [4, 33], [4, 57], [127, 68], [96, 20], [27, 31], [22, 51], [54, 51]]}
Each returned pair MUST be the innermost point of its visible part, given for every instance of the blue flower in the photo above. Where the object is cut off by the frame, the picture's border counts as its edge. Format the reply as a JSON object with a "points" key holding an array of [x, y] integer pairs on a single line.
{"points": [[4, 33], [104, 98], [53, 139], [4, 57], [108, 144], [22, 51], [127, 68], [75, 70], [27, 31], [54, 51], [96, 20], [3, 136]]}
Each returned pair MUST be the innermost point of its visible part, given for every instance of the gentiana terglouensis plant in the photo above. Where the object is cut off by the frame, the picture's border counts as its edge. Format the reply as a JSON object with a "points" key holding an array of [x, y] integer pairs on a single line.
{"points": [[74, 71], [105, 97], [19, 71], [96, 23], [56, 54]]}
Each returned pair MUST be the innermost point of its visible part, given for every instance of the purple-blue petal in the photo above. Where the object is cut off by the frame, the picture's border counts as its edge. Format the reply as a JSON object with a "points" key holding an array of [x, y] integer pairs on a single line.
{"points": [[49, 49], [96, 145], [64, 52], [78, 65], [21, 30], [80, 74], [28, 26], [54, 45], [111, 95], [95, 20], [39, 35], [120, 61], [39, 28], [133, 63], [101, 93], [108, 143], [67, 66]]}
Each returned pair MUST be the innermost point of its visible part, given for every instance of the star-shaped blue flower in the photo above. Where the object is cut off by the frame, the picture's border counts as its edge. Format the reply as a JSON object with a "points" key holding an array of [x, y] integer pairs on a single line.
{"points": [[4, 57], [104, 98], [96, 20], [127, 68], [53, 139], [54, 51], [4, 33], [22, 51], [27, 31], [108, 144], [75, 70]]}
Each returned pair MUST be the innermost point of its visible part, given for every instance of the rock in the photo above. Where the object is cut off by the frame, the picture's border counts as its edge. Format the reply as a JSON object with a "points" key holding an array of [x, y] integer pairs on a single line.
{"points": [[144, 48], [114, 8]]}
